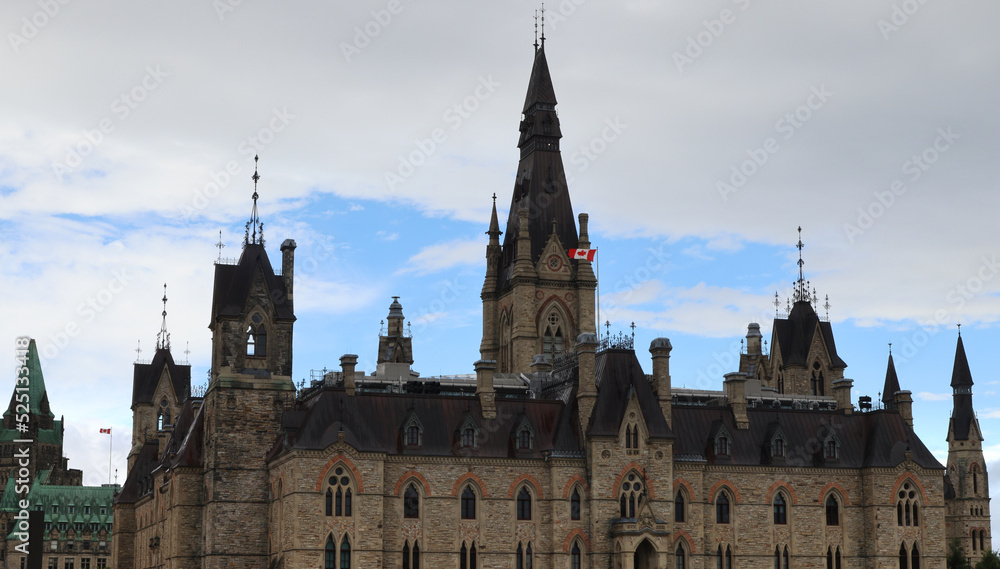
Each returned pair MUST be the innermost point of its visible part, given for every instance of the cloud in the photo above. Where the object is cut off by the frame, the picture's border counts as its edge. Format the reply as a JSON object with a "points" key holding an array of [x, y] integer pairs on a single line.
{"points": [[442, 256], [928, 396]]}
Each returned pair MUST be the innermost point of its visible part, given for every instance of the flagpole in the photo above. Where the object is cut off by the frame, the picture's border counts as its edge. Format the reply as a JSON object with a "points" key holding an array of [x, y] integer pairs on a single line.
{"points": [[111, 442], [597, 266]]}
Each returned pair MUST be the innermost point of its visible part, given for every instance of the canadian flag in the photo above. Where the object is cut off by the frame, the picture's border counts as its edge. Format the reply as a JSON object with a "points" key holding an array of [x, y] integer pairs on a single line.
{"points": [[106, 431], [587, 254]]}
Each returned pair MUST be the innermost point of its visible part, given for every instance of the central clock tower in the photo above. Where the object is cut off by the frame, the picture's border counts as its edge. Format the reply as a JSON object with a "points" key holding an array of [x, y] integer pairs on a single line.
{"points": [[536, 300]]}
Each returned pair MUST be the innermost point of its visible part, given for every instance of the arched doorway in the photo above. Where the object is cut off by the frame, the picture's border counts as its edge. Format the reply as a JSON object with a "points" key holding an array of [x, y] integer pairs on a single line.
{"points": [[645, 556]]}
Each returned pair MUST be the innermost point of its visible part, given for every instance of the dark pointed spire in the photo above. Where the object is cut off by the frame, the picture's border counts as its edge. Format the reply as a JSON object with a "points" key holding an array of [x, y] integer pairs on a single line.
{"points": [[494, 231], [163, 337], [962, 413], [255, 227], [891, 384], [38, 399]]}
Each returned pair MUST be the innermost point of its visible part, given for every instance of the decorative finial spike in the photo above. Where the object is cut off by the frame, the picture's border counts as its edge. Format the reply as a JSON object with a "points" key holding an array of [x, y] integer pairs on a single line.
{"points": [[163, 338], [254, 229], [890, 348], [959, 330], [536, 31], [543, 25], [220, 245]]}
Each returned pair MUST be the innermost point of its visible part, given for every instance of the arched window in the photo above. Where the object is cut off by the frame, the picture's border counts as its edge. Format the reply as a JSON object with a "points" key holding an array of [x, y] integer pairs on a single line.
{"points": [[973, 540], [722, 446], [838, 557], [413, 435], [902, 557], [829, 558], [914, 558], [975, 482], [469, 437], [463, 562], [832, 511], [680, 561], [832, 449], [330, 561], [631, 492], [524, 504], [524, 556], [729, 558], [345, 554], [574, 505], [411, 502], [467, 557], [338, 495], [468, 504], [251, 341], [163, 415], [506, 347], [907, 507], [781, 382], [722, 509], [520, 556], [679, 507], [574, 557], [411, 556], [777, 557], [784, 557], [778, 447], [473, 562], [817, 380], [406, 554], [718, 558], [256, 337], [780, 511], [552, 339], [635, 437]]}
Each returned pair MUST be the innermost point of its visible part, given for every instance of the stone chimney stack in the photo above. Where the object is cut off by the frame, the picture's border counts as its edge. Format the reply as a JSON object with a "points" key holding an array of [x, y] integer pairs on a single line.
{"points": [[660, 350], [736, 384], [347, 363], [586, 395], [288, 264], [484, 387], [904, 404], [540, 364], [842, 393], [753, 339]]}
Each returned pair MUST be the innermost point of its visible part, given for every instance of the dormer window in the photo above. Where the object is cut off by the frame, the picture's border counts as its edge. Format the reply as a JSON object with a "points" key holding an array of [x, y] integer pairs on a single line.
{"points": [[722, 445], [831, 447], [524, 436], [524, 440], [468, 433], [469, 437], [413, 435], [632, 439], [413, 431], [778, 447]]}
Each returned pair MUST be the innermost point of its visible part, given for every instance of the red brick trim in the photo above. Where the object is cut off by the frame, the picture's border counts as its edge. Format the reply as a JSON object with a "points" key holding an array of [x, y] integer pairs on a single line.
{"points": [[638, 470], [686, 485], [681, 534], [899, 482], [783, 485], [469, 476], [330, 464], [840, 490], [974, 467], [530, 479], [729, 485], [412, 474], [562, 304], [576, 478], [574, 533]]}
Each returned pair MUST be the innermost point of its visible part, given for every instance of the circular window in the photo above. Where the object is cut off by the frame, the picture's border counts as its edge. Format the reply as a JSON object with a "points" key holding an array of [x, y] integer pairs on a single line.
{"points": [[913, 494], [339, 471], [332, 481], [344, 481], [631, 476], [626, 487]]}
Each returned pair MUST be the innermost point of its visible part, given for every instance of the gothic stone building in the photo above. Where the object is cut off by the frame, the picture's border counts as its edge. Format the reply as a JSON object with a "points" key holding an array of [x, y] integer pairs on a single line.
{"points": [[561, 452]]}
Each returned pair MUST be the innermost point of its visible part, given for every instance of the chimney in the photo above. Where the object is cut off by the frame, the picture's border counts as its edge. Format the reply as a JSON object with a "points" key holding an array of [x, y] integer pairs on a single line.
{"points": [[288, 264], [484, 387], [660, 350], [736, 384], [753, 339], [586, 395], [842, 393], [347, 364], [540, 364], [904, 404]]}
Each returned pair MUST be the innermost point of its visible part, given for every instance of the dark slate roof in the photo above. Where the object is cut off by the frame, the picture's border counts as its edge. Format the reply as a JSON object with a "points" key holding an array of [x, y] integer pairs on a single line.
{"points": [[187, 440], [146, 376], [794, 336], [540, 185], [373, 422], [136, 484], [619, 376], [875, 439], [962, 413], [891, 386], [233, 282]]}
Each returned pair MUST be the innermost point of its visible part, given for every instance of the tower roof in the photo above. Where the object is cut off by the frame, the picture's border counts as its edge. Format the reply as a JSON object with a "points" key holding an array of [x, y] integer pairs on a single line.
{"points": [[891, 385], [960, 374], [38, 399], [794, 335], [540, 186], [962, 414]]}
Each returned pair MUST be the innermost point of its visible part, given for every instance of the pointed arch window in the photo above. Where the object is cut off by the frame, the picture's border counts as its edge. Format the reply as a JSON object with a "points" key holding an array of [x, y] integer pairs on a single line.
{"points": [[903, 562], [468, 503], [467, 557], [817, 382], [679, 507], [914, 558], [574, 557], [777, 557], [524, 504], [784, 557], [907, 506], [339, 496], [345, 554], [837, 558], [780, 509], [680, 559], [256, 336], [722, 508], [631, 494], [411, 502], [552, 339], [411, 556], [524, 438], [832, 511], [330, 557], [468, 437], [982, 537], [413, 431], [524, 556], [718, 558], [829, 558], [574, 505], [729, 558]]}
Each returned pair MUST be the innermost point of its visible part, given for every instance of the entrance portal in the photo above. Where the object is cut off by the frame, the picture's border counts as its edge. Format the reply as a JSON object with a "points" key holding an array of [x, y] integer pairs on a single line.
{"points": [[645, 556]]}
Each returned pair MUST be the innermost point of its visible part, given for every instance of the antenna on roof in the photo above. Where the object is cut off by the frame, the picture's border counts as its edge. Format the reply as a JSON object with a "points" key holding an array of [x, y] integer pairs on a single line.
{"points": [[536, 32], [543, 25]]}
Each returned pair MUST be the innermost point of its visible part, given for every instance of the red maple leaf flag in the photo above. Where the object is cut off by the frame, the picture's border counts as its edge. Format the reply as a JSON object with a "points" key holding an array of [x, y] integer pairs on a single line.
{"points": [[587, 254], [106, 431]]}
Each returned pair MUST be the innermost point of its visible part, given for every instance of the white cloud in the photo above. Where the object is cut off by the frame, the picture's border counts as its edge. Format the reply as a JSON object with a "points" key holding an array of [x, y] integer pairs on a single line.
{"points": [[442, 256], [928, 396]]}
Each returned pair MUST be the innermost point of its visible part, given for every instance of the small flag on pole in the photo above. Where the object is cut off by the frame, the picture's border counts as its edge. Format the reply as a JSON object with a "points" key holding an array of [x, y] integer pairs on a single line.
{"points": [[106, 431], [587, 254]]}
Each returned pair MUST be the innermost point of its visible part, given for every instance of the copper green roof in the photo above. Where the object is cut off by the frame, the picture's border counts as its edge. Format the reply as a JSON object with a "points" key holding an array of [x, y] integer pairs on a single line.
{"points": [[36, 385], [58, 501]]}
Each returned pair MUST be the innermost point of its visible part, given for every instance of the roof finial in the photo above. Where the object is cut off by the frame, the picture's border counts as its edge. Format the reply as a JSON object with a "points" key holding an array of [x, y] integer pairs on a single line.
{"points": [[801, 287], [138, 350], [827, 307], [254, 236], [536, 31], [543, 25], [890, 348], [777, 303], [163, 338], [959, 330], [220, 245]]}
